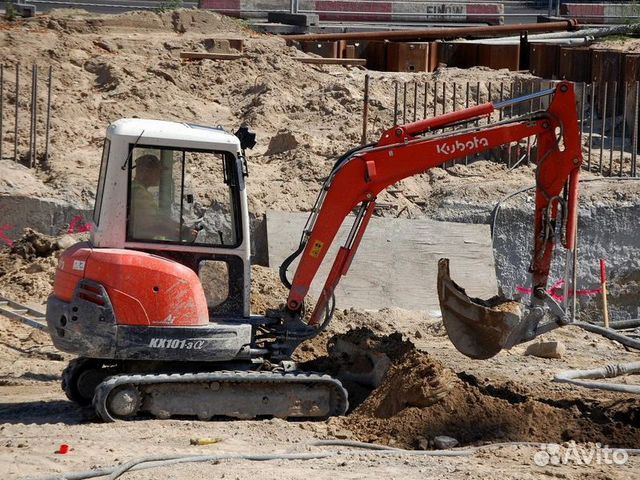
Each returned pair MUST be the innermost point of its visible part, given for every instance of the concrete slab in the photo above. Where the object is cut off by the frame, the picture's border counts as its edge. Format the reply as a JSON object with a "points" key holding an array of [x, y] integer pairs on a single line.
{"points": [[396, 264], [299, 19]]}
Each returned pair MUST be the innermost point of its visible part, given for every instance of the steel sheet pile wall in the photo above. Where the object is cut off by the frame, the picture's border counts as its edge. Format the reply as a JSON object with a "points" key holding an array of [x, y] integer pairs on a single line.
{"points": [[608, 116]]}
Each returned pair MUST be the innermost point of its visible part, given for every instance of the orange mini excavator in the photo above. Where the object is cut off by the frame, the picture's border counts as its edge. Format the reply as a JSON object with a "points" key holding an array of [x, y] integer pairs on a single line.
{"points": [[156, 305]]}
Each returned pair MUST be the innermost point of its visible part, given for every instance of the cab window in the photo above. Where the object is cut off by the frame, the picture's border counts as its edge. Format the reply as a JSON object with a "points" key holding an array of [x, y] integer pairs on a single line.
{"points": [[183, 196]]}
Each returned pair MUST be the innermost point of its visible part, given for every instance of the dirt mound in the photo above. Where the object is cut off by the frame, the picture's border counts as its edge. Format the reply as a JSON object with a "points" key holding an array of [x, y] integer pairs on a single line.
{"points": [[28, 268], [415, 380], [419, 398]]}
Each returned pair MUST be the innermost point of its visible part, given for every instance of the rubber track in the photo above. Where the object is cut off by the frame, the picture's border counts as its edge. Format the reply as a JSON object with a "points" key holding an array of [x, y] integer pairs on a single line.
{"points": [[225, 376]]}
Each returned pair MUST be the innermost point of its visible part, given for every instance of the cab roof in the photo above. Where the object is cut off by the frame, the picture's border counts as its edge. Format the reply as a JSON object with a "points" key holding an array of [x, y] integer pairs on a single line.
{"points": [[170, 133]]}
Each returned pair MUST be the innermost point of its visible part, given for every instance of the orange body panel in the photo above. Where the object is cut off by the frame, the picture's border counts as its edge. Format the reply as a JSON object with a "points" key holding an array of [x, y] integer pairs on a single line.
{"points": [[144, 289]]}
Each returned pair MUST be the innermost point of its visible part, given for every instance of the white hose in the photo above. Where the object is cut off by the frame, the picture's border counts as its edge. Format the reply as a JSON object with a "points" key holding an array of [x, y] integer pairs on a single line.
{"points": [[575, 377]]}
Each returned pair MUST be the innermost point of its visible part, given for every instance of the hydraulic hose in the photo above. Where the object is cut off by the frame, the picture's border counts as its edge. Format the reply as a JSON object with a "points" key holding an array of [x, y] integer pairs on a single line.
{"points": [[576, 377], [367, 448], [609, 333]]}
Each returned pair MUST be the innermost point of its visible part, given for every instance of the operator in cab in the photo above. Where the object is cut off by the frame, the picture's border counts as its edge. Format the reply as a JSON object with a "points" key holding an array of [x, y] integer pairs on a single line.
{"points": [[147, 220]]}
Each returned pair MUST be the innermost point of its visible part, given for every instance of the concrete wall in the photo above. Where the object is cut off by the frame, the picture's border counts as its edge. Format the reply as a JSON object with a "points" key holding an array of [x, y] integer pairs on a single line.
{"points": [[603, 232], [601, 12], [46, 215], [380, 11], [397, 262]]}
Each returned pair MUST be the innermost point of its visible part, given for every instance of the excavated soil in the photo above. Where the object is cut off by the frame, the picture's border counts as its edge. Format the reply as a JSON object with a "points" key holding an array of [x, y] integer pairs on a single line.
{"points": [[419, 398]]}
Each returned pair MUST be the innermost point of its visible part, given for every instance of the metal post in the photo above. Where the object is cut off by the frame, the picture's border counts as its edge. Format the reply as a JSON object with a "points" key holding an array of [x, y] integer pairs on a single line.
{"points": [[592, 113], [624, 125], [15, 134], [489, 94], [574, 277], [444, 98], [501, 99], [634, 142], [455, 96], [511, 89], [558, 8], [613, 127], [426, 96], [435, 99], [31, 124], [604, 121], [294, 6], [1, 106], [48, 126], [34, 116], [365, 110], [529, 90], [404, 102], [468, 94], [415, 101], [395, 107]]}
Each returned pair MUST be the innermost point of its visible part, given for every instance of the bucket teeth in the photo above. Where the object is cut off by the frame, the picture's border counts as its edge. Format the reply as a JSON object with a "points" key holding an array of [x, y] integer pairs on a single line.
{"points": [[477, 328]]}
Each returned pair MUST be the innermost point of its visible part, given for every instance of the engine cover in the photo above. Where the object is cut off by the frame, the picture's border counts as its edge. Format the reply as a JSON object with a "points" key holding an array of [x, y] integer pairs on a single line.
{"points": [[144, 289]]}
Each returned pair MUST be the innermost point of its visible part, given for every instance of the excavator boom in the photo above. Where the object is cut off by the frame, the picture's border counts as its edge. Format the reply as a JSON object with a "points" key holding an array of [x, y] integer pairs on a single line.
{"points": [[403, 151]]}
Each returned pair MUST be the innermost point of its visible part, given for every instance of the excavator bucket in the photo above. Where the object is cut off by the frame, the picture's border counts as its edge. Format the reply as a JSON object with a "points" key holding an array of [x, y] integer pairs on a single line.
{"points": [[478, 328]]}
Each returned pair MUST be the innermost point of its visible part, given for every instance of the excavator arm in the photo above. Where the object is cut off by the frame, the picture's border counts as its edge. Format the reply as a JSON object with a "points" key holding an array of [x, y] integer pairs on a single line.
{"points": [[403, 151]]}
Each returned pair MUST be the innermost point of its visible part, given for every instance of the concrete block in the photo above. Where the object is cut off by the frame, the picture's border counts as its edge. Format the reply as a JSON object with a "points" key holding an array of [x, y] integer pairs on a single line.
{"points": [[25, 10], [396, 264], [546, 349], [299, 19]]}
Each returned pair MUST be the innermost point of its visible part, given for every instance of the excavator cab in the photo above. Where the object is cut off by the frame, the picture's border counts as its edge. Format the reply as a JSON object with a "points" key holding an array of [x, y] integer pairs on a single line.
{"points": [[156, 168]]}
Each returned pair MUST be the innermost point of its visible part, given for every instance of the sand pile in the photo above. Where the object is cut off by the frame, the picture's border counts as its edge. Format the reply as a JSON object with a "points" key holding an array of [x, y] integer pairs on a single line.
{"points": [[27, 269], [418, 398], [109, 67]]}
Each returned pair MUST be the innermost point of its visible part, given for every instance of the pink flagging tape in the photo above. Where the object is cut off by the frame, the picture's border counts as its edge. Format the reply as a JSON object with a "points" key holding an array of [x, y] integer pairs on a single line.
{"points": [[3, 235], [556, 291], [78, 225]]}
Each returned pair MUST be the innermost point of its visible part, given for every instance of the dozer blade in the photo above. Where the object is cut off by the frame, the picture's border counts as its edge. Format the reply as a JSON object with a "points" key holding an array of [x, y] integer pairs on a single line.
{"points": [[478, 328]]}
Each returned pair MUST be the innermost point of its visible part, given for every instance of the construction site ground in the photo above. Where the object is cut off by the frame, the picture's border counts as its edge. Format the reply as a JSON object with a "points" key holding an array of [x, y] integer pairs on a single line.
{"points": [[305, 115]]}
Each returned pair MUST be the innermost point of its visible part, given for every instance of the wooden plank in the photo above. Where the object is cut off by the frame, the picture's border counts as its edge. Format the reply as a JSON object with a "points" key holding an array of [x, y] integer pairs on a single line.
{"points": [[332, 61], [396, 264], [210, 56]]}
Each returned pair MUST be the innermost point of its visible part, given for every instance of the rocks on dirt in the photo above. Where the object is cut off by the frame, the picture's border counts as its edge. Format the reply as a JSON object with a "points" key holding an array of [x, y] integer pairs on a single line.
{"points": [[34, 244], [281, 142], [442, 442], [554, 349]]}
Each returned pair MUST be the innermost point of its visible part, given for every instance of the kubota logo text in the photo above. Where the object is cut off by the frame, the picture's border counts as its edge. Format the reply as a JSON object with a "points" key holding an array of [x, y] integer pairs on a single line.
{"points": [[459, 147]]}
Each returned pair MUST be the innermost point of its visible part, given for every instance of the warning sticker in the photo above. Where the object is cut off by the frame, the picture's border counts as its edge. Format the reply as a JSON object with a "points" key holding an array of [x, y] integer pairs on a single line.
{"points": [[316, 248], [79, 265]]}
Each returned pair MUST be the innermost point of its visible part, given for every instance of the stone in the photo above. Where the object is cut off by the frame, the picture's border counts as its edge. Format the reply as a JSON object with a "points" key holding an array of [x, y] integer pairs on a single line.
{"points": [[423, 444], [106, 45], [555, 349], [66, 241], [442, 442]]}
